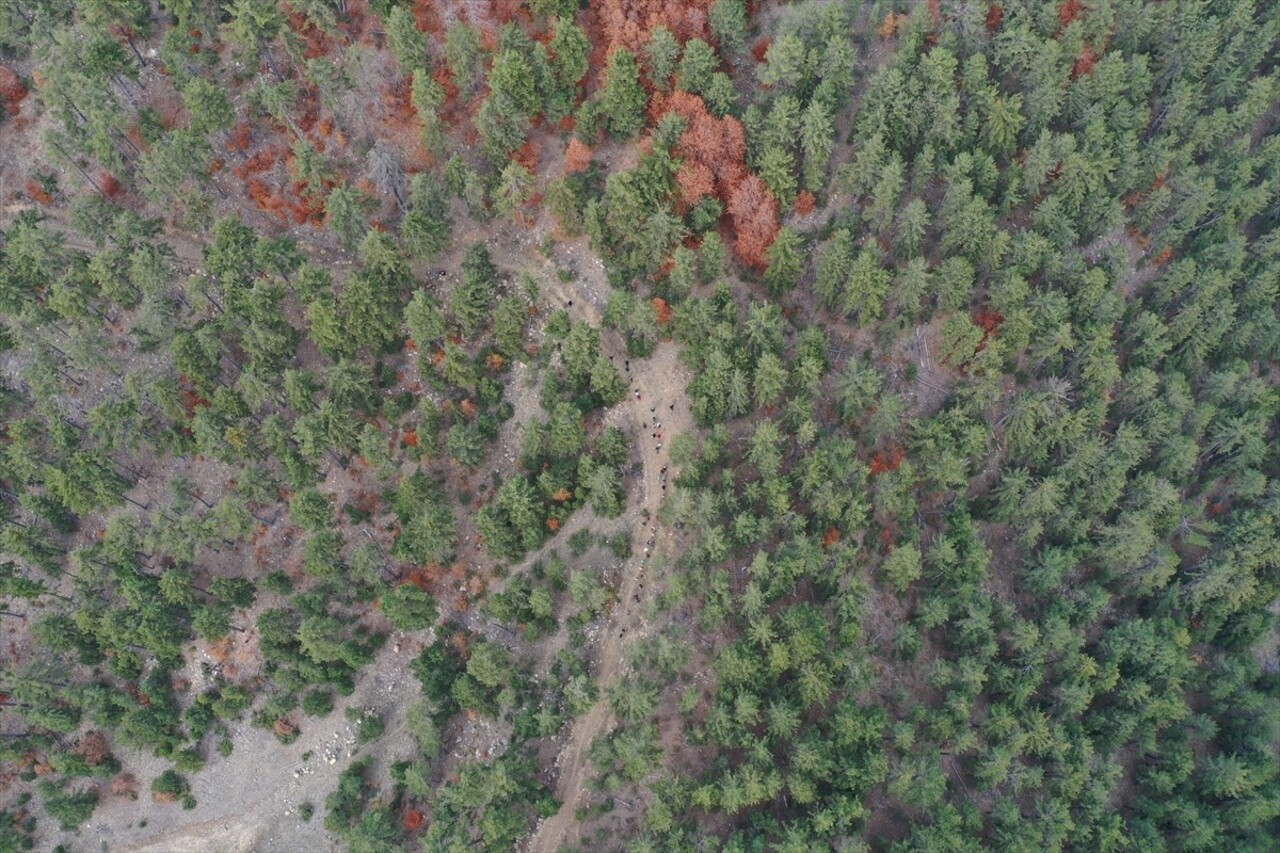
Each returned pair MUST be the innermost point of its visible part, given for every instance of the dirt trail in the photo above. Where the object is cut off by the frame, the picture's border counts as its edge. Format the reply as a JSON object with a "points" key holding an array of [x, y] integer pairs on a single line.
{"points": [[661, 380]]}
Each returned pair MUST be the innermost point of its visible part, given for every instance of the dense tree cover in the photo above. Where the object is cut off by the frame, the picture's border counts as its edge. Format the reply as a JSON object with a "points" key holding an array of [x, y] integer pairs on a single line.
{"points": [[1020, 200], [976, 528]]}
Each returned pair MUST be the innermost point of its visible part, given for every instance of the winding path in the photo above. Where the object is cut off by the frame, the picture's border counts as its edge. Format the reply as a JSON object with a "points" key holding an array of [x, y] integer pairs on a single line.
{"points": [[661, 380]]}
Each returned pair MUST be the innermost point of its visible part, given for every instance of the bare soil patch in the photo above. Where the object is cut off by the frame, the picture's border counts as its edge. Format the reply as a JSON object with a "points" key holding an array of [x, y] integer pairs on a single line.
{"points": [[249, 800]]}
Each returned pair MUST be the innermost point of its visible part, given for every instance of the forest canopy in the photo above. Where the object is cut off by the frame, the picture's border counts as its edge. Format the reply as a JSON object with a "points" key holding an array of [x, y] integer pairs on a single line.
{"points": [[714, 425]]}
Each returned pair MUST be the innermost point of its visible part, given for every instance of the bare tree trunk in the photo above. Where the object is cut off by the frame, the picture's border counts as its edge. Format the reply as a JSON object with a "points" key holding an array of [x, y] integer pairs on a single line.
{"points": [[75, 109], [129, 40], [76, 165], [386, 560]]}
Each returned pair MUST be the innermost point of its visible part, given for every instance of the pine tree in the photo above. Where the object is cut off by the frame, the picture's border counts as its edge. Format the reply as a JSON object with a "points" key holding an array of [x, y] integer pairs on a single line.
{"points": [[622, 99], [777, 171], [407, 43], [427, 97], [207, 105], [462, 53], [769, 380], [368, 306], [661, 53], [865, 289], [817, 141], [728, 22], [785, 264], [345, 216], [471, 301], [834, 267], [697, 64], [514, 186], [569, 49], [427, 226], [607, 382], [605, 492], [409, 608]]}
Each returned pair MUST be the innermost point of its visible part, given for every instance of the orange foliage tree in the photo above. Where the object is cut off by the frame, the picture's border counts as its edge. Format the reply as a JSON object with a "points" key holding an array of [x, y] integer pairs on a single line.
{"points": [[577, 157], [12, 91], [628, 23], [712, 153], [695, 182], [109, 185], [427, 17], [1083, 66], [887, 460], [717, 144], [662, 311], [37, 193], [755, 220], [804, 203]]}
